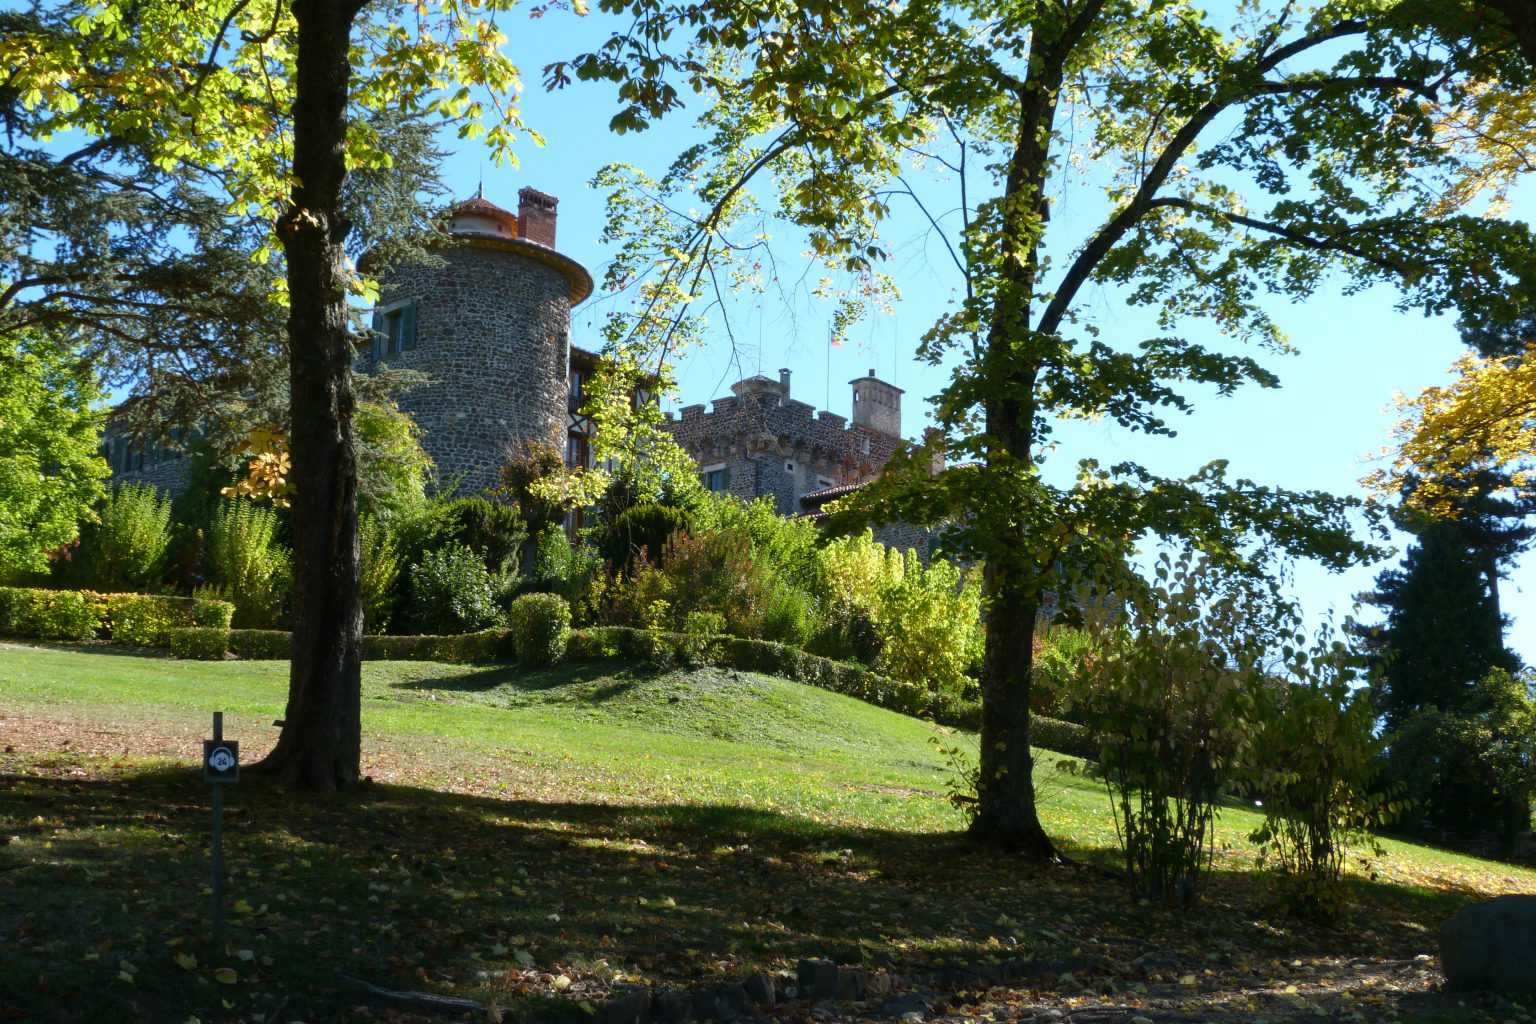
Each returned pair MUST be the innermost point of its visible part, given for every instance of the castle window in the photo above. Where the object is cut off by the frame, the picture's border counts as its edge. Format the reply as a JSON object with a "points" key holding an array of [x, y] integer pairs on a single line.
{"points": [[394, 329], [716, 478]]}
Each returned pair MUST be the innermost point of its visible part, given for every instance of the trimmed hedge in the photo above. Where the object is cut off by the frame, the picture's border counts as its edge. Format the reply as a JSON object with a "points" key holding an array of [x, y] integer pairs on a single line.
{"points": [[204, 643], [460, 649], [261, 644], [541, 628], [143, 620]]}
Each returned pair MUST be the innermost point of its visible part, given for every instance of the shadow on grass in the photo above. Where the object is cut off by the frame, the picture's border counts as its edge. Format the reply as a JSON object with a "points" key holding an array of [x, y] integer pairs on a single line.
{"points": [[482, 678], [417, 888]]}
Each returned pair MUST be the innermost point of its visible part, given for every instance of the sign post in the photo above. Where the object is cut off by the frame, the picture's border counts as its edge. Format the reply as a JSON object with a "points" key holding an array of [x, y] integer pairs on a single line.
{"points": [[221, 766]]}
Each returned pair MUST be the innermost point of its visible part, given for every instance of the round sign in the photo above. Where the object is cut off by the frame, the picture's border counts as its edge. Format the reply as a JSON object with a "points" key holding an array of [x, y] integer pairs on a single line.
{"points": [[221, 760]]}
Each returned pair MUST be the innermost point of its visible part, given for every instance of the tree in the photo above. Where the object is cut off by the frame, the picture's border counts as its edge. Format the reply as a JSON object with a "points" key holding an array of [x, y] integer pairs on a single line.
{"points": [[267, 96], [50, 470], [1444, 630], [1319, 157]]}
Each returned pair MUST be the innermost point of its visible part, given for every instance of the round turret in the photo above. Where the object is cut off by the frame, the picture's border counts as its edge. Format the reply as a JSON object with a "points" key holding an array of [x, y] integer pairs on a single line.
{"points": [[488, 319]]}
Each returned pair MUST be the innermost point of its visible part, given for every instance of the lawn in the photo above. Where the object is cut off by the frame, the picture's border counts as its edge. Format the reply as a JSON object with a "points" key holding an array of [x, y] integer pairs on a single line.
{"points": [[532, 839]]}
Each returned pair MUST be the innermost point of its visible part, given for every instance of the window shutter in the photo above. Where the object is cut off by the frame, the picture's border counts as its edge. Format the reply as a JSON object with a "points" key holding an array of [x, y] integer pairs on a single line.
{"points": [[408, 325], [376, 349]]}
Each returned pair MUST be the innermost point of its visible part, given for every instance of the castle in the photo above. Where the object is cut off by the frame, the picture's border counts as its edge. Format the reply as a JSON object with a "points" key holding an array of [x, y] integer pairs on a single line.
{"points": [[488, 318]]}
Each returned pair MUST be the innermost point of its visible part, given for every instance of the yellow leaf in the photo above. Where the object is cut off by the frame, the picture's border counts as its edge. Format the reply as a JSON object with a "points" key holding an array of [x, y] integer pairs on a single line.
{"points": [[226, 976], [186, 961]]}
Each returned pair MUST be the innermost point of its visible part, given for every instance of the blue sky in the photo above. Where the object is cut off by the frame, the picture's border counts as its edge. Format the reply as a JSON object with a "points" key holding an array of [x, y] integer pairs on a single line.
{"points": [[1319, 430]]}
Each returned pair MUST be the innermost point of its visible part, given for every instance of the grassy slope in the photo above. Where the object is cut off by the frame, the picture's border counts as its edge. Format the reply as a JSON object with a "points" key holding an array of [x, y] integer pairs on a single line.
{"points": [[707, 736], [655, 826]]}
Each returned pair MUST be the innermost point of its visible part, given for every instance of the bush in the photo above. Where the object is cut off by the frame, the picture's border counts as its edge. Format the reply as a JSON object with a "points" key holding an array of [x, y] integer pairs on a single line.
{"points": [[380, 574], [492, 530], [789, 617], [559, 568], [541, 628], [453, 592], [929, 622], [249, 566], [125, 549], [639, 532], [198, 642], [261, 644], [1469, 773], [461, 649], [1314, 759], [1170, 695], [48, 614], [146, 620]]}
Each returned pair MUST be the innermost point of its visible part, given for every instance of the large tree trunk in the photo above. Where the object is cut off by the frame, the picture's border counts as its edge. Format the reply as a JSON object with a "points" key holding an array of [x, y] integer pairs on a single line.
{"points": [[321, 743], [1006, 815]]}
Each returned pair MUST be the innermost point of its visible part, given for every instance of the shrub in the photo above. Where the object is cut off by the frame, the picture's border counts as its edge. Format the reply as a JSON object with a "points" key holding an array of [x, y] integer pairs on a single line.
{"points": [[464, 648], [1314, 759], [789, 617], [145, 620], [492, 530], [541, 628], [1170, 695], [929, 622], [560, 568], [380, 574], [249, 566], [48, 614], [199, 642], [261, 644], [1471, 772], [125, 548], [639, 531], [1059, 655], [716, 572], [453, 592]]}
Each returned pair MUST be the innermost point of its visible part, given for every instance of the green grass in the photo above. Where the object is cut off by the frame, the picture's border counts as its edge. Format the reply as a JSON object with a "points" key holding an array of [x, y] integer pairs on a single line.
{"points": [[607, 823]]}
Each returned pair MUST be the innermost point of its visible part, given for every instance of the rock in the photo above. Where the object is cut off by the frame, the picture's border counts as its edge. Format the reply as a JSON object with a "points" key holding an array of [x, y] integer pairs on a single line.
{"points": [[760, 989], [628, 1006], [731, 1002], [818, 979], [1491, 945], [908, 1007], [703, 1003], [877, 985], [850, 983], [671, 1006], [1141, 1020]]}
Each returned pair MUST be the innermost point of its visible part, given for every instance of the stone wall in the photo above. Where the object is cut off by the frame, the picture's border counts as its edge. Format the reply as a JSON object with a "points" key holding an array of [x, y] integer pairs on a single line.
{"points": [[777, 446], [492, 331]]}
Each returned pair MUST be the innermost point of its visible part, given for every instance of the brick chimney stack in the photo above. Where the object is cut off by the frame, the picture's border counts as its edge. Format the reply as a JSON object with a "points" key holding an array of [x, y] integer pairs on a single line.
{"points": [[536, 216], [784, 381]]}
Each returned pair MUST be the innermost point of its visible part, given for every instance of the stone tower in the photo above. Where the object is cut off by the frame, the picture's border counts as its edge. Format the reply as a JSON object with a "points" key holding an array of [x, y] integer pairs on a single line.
{"points": [[876, 404], [488, 319]]}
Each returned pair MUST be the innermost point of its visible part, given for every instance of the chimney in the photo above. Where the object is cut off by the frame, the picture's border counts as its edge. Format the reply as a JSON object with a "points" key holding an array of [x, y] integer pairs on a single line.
{"points": [[876, 405], [536, 216], [933, 440], [784, 381]]}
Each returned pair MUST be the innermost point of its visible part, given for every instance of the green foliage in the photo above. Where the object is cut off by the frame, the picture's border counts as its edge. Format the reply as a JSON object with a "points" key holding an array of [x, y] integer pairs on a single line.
{"points": [[48, 614], [202, 643], [786, 547], [493, 530], [1470, 772], [461, 649], [392, 466], [1171, 695], [50, 472], [541, 628], [147, 620], [247, 564], [139, 619], [790, 616], [263, 644], [639, 531], [125, 549], [1315, 758], [380, 574], [854, 573], [560, 568], [1443, 631], [453, 592], [930, 625], [1060, 653]]}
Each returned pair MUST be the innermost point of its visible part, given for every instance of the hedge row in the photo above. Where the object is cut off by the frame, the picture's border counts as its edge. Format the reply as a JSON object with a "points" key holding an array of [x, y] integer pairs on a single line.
{"points": [[599, 642], [143, 620]]}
